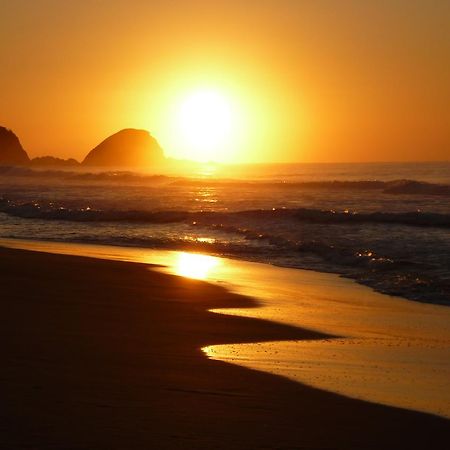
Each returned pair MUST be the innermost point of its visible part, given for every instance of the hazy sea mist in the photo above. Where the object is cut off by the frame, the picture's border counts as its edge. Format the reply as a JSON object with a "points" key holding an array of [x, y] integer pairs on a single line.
{"points": [[385, 225]]}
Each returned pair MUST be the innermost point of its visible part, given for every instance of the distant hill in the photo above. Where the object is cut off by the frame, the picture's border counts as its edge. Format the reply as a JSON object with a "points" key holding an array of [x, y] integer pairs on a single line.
{"points": [[11, 150], [127, 148], [51, 161]]}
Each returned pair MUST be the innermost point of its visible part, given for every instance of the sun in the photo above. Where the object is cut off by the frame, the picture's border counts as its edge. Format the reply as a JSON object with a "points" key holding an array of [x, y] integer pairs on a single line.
{"points": [[206, 123]]}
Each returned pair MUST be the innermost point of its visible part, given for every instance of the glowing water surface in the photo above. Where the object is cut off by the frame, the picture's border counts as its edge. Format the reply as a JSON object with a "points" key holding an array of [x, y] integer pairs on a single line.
{"points": [[391, 351]]}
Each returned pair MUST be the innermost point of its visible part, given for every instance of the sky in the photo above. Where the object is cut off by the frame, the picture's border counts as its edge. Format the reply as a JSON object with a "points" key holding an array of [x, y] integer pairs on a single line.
{"points": [[297, 81]]}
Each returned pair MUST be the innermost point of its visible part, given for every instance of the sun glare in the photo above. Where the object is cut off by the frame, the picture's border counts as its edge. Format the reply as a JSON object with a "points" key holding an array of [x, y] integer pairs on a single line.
{"points": [[217, 116], [206, 122], [194, 265]]}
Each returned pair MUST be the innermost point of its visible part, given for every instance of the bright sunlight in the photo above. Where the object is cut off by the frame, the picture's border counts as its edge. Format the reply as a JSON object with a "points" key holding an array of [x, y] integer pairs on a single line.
{"points": [[206, 122], [195, 265], [217, 116]]}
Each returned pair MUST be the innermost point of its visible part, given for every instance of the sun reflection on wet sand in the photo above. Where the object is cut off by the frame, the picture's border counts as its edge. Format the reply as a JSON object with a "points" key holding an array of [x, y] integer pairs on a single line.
{"points": [[195, 265]]}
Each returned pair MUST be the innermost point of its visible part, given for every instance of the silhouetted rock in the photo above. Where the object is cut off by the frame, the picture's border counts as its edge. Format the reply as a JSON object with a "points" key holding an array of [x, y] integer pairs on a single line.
{"points": [[51, 161], [127, 148], [11, 150]]}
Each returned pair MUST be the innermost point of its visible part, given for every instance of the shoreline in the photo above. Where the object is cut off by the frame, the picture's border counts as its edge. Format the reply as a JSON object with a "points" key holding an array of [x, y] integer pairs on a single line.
{"points": [[376, 338], [373, 284], [106, 355]]}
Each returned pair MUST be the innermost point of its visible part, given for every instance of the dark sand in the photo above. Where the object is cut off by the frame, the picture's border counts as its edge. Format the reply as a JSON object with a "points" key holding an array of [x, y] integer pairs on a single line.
{"points": [[106, 355]]}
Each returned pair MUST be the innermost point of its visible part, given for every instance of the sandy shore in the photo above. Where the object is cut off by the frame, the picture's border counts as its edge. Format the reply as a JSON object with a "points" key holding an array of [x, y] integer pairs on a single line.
{"points": [[107, 355], [391, 350]]}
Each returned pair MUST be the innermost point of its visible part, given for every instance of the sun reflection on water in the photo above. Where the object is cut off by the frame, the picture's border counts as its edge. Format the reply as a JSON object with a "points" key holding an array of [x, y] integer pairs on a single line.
{"points": [[195, 265], [207, 170]]}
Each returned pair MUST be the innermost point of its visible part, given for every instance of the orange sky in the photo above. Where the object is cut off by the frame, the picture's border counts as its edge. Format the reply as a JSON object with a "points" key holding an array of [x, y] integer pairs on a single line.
{"points": [[314, 81]]}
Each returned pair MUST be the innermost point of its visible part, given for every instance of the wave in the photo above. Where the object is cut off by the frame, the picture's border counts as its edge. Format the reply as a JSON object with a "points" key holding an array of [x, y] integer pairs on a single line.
{"points": [[408, 187], [396, 187], [413, 187], [108, 177], [390, 275], [51, 211], [396, 260]]}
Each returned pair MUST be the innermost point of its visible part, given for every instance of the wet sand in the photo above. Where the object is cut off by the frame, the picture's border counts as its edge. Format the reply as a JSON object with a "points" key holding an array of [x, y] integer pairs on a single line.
{"points": [[391, 350], [107, 355]]}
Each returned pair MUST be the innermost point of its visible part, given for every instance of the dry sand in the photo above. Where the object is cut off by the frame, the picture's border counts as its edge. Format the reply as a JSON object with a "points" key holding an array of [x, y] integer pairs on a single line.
{"points": [[107, 355]]}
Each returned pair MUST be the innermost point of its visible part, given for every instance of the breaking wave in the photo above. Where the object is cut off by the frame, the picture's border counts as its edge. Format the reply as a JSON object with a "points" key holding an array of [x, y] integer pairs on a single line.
{"points": [[52, 211], [391, 235], [403, 187]]}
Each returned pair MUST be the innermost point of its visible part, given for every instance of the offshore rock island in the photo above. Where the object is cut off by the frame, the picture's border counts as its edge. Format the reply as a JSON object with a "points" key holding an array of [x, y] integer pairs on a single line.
{"points": [[128, 148], [11, 150]]}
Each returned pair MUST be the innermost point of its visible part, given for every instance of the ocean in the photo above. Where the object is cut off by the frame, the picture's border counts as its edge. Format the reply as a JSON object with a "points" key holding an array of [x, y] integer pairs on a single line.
{"points": [[385, 225]]}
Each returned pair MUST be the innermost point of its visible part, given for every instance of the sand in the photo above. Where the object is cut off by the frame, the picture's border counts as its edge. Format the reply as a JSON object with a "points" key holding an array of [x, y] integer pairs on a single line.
{"points": [[104, 354], [391, 350]]}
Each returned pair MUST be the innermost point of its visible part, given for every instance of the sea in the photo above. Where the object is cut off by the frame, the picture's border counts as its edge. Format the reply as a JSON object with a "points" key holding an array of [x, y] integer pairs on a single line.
{"points": [[385, 225]]}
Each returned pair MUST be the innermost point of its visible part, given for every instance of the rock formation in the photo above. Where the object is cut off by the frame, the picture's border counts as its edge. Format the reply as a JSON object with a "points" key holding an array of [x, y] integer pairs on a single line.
{"points": [[11, 150], [127, 148]]}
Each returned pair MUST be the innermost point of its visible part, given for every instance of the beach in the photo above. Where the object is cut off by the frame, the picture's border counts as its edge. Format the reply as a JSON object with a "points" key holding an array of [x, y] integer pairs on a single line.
{"points": [[225, 225], [101, 354]]}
